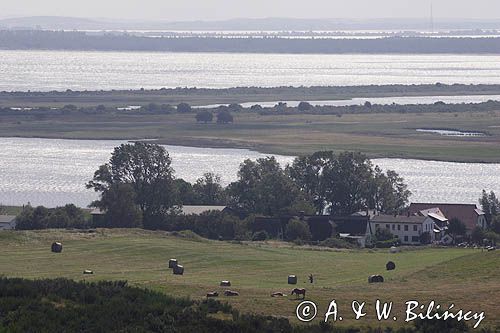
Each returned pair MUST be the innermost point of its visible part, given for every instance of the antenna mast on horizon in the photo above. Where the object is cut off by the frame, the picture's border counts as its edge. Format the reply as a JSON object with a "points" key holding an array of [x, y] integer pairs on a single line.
{"points": [[432, 18]]}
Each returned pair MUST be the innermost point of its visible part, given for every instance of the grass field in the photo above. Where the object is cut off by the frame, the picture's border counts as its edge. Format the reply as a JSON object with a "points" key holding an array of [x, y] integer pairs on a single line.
{"points": [[469, 278], [377, 135]]}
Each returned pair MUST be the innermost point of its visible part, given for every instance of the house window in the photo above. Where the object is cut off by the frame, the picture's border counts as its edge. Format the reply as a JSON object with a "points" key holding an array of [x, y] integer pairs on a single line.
{"points": [[415, 239], [406, 238], [388, 226], [399, 227], [415, 228], [393, 227], [406, 228]]}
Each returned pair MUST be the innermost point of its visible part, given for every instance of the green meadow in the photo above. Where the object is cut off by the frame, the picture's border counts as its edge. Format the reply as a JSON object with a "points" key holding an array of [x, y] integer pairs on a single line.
{"points": [[466, 277]]}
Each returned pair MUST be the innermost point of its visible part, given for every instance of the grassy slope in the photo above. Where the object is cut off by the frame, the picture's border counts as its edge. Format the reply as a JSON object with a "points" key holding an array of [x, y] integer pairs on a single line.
{"points": [[378, 135], [469, 278]]}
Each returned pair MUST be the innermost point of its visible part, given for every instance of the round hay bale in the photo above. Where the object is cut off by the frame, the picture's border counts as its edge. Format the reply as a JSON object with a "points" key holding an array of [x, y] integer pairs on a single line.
{"points": [[390, 266], [56, 247], [292, 279], [179, 270], [375, 279], [225, 283], [172, 263]]}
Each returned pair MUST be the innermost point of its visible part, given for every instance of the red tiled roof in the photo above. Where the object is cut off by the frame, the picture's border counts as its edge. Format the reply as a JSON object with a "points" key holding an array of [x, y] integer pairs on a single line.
{"points": [[467, 213]]}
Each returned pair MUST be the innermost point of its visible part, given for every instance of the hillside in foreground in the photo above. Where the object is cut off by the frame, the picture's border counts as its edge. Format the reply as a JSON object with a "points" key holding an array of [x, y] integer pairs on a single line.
{"points": [[466, 277]]}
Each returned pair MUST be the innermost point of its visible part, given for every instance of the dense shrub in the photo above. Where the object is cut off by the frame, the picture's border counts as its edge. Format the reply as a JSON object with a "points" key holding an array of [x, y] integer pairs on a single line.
{"points": [[297, 229], [41, 217], [338, 243], [260, 236]]}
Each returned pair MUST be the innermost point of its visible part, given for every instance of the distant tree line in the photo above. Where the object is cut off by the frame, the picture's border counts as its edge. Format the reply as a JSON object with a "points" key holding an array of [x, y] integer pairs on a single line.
{"points": [[285, 93], [77, 40], [224, 113], [138, 188]]}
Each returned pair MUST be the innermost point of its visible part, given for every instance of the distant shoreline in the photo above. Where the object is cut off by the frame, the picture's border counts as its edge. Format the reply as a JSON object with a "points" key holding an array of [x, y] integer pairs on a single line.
{"points": [[79, 40]]}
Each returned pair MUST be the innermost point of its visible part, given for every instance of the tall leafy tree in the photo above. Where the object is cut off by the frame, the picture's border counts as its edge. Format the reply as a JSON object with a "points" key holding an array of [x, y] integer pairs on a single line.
{"points": [[307, 173], [208, 190], [121, 209], [147, 169], [389, 193], [457, 228], [347, 183], [264, 188]]}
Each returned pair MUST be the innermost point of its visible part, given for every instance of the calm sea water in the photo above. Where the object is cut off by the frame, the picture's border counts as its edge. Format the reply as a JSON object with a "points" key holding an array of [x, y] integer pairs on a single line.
{"points": [[53, 172], [61, 70]]}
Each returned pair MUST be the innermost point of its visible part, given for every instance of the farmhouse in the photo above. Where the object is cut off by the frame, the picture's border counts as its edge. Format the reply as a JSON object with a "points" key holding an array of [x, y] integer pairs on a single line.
{"points": [[469, 214], [355, 228], [407, 229], [7, 222]]}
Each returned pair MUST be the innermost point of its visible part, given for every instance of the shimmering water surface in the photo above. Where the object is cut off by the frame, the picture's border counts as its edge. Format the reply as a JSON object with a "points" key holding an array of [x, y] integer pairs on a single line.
{"points": [[53, 172], [79, 70]]}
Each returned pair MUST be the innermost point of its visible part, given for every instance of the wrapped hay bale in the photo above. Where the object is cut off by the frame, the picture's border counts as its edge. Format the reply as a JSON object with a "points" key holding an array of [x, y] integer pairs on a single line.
{"points": [[375, 279], [292, 279], [225, 283], [390, 266], [56, 247], [393, 249], [87, 272], [172, 263], [178, 270]]}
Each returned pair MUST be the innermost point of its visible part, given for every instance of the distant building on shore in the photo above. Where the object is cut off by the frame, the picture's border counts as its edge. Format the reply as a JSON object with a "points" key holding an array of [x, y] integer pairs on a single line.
{"points": [[7, 222], [468, 214]]}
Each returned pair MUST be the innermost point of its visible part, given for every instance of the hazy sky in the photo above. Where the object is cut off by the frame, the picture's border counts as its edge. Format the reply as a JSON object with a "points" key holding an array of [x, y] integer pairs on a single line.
{"points": [[224, 9]]}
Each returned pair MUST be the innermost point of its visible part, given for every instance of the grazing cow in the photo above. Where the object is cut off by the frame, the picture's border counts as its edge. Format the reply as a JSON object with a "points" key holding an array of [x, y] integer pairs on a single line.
{"points": [[212, 294], [299, 291], [278, 294], [231, 293]]}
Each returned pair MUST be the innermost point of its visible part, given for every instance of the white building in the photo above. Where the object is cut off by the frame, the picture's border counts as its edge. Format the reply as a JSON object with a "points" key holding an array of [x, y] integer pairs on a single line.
{"points": [[408, 229], [7, 222]]}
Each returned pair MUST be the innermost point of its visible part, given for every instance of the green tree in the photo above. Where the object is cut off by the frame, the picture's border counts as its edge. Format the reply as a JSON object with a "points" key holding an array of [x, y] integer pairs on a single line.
{"points": [[383, 234], [264, 188], [234, 107], [224, 117], [307, 174], [146, 167], [347, 183], [389, 194], [477, 235], [208, 190], [297, 230], [204, 116], [256, 107], [121, 208], [490, 204], [457, 228], [495, 224], [185, 192], [304, 106], [183, 108]]}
